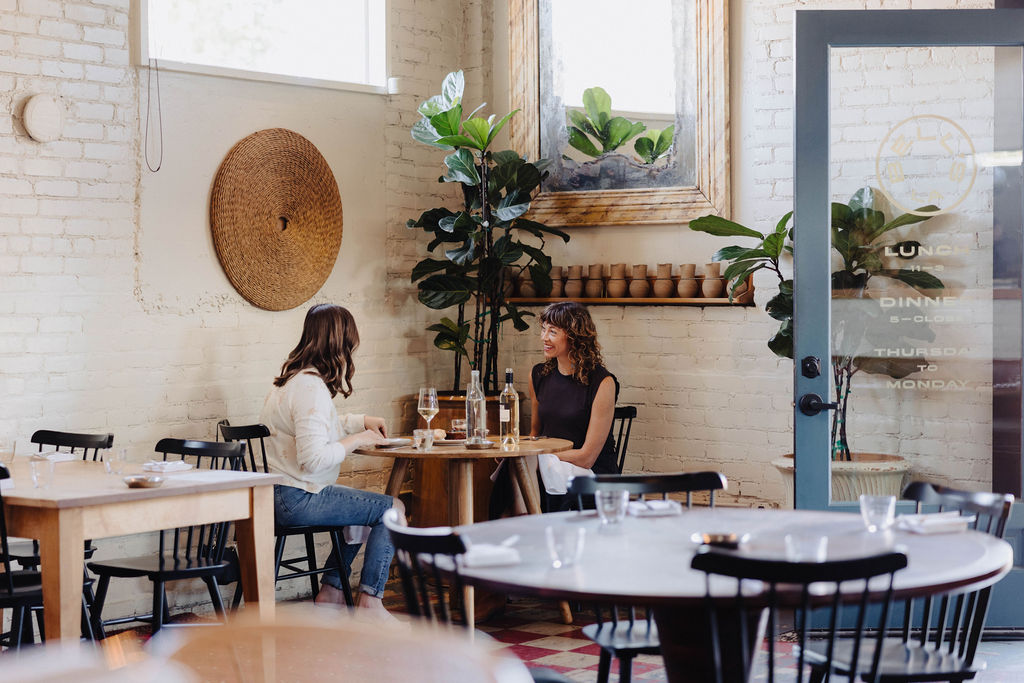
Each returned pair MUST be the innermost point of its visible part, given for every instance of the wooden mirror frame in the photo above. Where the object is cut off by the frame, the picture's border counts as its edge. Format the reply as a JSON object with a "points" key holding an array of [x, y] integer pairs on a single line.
{"points": [[668, 205]]}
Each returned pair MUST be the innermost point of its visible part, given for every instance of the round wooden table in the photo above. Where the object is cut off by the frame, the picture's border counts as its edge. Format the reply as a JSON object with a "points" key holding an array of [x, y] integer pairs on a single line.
{"points": [[646, 561]]}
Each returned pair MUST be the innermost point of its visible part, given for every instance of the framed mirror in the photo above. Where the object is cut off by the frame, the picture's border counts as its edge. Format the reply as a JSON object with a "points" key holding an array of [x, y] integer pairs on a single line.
{"points": [[634, 123]]}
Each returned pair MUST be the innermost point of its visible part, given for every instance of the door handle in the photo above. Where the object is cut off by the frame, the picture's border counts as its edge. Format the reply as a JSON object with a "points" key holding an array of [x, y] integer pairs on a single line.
{"points": [[812, 404]]}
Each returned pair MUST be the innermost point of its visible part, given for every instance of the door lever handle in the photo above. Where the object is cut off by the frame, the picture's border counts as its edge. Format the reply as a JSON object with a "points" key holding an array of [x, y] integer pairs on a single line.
{"points": [[812, 404]]}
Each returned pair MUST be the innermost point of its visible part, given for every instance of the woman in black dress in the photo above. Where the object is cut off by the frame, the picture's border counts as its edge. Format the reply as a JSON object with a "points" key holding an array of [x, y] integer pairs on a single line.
{"points": [[572, 393]]}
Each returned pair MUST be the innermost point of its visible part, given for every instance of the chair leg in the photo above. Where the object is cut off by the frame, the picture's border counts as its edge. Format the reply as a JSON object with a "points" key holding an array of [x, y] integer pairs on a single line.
{"points": [[604, 667], [97, 607], [39, 622], [625, 669], [311, 561], [158, 605], [278, 554], [218, 601], [17, 627], [236, 599], [87, 631], [346, 587]]}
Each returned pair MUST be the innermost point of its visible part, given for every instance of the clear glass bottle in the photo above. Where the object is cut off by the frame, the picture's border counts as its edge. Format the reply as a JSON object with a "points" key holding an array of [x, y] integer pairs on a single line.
{"points": [[508, 415], [476, 410]]}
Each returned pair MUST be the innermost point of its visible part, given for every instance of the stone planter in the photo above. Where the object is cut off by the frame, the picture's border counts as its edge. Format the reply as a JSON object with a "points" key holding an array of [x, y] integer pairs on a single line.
{"points": [[872, 473]]}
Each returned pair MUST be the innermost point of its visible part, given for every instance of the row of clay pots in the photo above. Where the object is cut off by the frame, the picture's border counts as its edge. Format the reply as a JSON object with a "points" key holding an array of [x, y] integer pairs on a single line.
{"points": [[639, 286]]}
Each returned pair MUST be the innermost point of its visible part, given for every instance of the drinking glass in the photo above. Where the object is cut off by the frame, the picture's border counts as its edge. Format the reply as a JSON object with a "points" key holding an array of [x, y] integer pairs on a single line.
{"points": [[118, 458], [423, 439], [565, 545], [806, 547], [42, 472], [6, 452], [611, 505], [878, 512], [427, 406]]}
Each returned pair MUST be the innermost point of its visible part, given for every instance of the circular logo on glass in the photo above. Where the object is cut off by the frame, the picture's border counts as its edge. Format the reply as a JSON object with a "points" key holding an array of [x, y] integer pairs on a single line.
{"points": [[925, 165]]}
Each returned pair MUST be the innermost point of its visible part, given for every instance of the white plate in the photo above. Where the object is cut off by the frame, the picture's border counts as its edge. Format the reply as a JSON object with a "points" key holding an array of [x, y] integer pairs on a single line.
{"points": [[449, 442], [397, 442]]}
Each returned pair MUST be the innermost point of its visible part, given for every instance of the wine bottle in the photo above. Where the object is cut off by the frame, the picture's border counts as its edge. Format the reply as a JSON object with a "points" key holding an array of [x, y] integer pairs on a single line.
{"points": [[476, 410], [508, 415]]}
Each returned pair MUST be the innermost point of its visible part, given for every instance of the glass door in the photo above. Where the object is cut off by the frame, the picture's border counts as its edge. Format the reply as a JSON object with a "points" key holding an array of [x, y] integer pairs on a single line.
{"points": [[907, 256]]}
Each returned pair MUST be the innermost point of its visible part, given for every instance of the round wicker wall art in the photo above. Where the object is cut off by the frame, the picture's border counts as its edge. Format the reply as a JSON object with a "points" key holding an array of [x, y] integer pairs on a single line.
{"points": [[275, 214]]}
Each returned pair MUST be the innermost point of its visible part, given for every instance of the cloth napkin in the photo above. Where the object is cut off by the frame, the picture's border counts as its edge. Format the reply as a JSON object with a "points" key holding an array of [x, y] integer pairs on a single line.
{"points": [[556, 473], [654, 508], [165, 466], [490, 555], [934, 523], [54, 456], [355, 534]]}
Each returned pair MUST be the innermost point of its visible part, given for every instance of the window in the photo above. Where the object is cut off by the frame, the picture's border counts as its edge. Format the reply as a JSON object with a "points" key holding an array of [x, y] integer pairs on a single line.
{"points": [[330, 43]]}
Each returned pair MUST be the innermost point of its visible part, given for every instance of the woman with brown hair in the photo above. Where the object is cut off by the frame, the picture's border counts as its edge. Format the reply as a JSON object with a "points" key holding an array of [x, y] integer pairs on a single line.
{"points": [[308, 442]]}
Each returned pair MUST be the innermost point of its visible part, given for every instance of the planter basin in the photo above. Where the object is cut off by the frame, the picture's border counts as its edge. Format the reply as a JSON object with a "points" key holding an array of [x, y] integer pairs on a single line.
{"points": [[871, 473]]}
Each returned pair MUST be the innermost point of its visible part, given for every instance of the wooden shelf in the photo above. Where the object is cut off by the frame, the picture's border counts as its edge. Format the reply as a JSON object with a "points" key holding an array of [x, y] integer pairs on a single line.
{"points": [[743, 300]]}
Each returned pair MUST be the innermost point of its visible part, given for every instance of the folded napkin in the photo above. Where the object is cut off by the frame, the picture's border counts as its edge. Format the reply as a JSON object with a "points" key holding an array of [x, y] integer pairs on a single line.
{"points": [[355, 534], [934, 523], [556, 473], [165, 466], [490, 555], [54, 456], [654, 508]]}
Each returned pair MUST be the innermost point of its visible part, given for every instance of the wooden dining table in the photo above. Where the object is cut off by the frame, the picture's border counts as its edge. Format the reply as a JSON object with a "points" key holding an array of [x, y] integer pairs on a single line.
{"points": [[646, 561], [85, 502]]}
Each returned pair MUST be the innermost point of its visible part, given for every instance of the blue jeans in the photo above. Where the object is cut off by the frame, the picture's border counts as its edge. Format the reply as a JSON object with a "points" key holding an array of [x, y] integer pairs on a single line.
{"points": [[342, 506]]}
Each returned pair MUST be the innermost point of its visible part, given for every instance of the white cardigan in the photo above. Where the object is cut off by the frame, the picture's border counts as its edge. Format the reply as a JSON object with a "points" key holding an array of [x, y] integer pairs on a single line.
{"points": [[305, 431]]}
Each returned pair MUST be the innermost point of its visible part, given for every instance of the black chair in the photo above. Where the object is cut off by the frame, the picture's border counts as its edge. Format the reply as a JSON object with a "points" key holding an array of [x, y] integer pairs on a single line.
{"points": [[787, 585], [625, 638], [622, 424], [255, 434], [426, 557], [939, 635], [184, 553], [19, 590]]}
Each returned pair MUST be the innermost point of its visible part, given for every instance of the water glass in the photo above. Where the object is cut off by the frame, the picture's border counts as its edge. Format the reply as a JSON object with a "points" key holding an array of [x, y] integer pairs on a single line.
{"points": [[423, 439], [114, 460], [565, 545], [611, 505], [42, 472], [878, 512], [6, 452], [806, 547]]}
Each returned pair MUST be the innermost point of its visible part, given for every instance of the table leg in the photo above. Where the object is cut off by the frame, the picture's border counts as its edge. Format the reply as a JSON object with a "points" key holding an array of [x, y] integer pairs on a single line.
{"points": [[460, 508], [61, 563], [531, 496], [686, 645], [256, 551], [398, 469]]}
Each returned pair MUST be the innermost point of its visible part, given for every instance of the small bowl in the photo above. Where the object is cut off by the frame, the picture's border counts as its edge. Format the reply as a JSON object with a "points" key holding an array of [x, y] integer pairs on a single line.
{"points": [[143, 482]]}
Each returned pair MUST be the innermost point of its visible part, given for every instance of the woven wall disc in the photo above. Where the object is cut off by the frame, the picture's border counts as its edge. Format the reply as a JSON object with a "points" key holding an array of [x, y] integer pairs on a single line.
{"points": [[275, 214]]}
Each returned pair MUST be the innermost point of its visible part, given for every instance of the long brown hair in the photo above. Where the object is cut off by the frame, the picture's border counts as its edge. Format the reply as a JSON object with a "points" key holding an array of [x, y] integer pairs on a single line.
{"points": [[329, 336], [584, 351]]}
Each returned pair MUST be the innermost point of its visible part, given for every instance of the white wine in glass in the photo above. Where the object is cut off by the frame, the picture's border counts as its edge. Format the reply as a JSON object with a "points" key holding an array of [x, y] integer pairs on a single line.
{"points": [[427, 406]]}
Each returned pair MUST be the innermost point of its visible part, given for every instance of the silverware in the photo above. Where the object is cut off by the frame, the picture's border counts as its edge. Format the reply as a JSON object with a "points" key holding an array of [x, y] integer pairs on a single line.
{"points": [[534, 438]]}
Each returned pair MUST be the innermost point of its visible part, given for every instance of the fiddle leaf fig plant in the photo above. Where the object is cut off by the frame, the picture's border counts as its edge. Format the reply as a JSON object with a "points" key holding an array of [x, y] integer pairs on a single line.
{"points": [[610, 131], [654, 144], [476, 248], [861, 240]]}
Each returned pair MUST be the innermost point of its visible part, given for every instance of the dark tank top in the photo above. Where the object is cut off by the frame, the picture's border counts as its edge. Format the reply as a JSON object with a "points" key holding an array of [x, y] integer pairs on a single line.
{"points": [[565, 406]]}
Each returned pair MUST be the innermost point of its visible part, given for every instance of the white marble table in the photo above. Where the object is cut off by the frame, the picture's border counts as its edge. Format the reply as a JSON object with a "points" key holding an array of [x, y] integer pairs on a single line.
{"points": [[647, 562]]}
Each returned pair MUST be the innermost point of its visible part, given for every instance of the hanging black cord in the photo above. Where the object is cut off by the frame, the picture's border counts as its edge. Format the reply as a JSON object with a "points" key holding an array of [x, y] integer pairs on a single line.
{"points": [[159, 116]]}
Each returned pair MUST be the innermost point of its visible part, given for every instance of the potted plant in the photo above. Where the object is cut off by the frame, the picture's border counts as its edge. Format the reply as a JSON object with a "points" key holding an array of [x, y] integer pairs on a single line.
{"points": [[480, 242], [864, 247]]}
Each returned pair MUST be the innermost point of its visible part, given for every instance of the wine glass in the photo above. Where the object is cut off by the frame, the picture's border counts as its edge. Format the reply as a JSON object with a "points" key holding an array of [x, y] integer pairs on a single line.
{"points": [[427, 406]]}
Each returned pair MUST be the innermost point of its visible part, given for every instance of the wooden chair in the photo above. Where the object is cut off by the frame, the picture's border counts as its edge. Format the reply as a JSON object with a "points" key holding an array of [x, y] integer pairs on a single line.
{"points": [[625, 638], [255, 434], [622, 424], [19, 590], [184, 553], [738, 610], [939, 635]]}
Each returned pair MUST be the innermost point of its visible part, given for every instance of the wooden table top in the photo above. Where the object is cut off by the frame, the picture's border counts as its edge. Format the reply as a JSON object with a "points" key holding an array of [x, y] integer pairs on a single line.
{"points": [[646, 560], [77, 483], [459, 451]]}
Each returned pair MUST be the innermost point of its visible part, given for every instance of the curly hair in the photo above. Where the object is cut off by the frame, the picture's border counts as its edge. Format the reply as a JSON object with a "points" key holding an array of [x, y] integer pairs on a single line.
{"points": [[584, 351], [329, 336]]}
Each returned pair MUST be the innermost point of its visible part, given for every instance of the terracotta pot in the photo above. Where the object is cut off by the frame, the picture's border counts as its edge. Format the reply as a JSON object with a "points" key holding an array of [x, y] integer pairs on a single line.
{"points": [[687, 288], [575, 272], [594, 288], [508, 282], [664, 287], [664, 270], [595, 271], [618, 271], [527, 289], [687, 270], [617, 288], [640, 271], [712, 287], [713, 269], [573, 286], [557, 284], [639, 287]]}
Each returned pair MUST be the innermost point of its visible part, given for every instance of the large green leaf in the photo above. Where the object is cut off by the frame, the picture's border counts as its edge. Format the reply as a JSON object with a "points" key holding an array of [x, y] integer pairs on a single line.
{"points": [[458, 141], [426, 267], [430, 219], [506, 156], [450, 335], [897, 368], [443, 291], [435, 105], [506, 211], [540, 273], [423, 132], [507, 250], [840, 215], [537, 255], [516, 316], [732, 253], [527, 178], [780, 227], [453, 86], [462, 167], [458, 224], [722, 227], [581, 142], [742, 268], [464, 254], [664, 141], [773, 244], [495, 128], [917, 279], [477, 128], [864, 198], [538, 229], [580, 121], [904, 219], [644, 148], [618, 131], [598, 105], [780, 306], [781, 342], [447, 122]]}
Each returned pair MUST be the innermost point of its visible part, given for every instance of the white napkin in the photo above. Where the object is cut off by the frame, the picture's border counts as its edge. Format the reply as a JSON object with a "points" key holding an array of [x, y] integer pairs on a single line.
{"points": [[654, 508], [165, 466], [355, 534], [490, 555], [934, 523], [54, 456], [555, 473]]}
